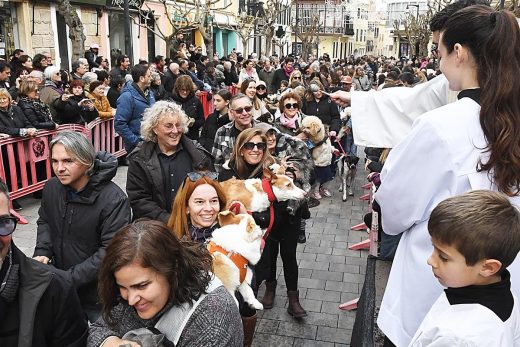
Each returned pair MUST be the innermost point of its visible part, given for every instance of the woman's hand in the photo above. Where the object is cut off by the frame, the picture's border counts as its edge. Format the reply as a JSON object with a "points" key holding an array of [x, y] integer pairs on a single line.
{"points": [[42, 259], [114, 341], [65, 97], [32, 131]]}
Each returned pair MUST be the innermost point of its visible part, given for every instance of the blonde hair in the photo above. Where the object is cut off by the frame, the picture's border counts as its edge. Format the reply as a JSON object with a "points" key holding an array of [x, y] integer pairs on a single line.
{"points": [[154, 114]]}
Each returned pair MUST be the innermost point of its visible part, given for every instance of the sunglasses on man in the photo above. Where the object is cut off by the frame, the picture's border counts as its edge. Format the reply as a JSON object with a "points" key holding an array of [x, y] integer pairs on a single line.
{"points": [[261, 146], [241, 110], [260, 88], [7, 225]]}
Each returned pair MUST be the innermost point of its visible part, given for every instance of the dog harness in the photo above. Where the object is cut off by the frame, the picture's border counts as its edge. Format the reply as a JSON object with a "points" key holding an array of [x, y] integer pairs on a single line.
{"points": [[237, 259]]}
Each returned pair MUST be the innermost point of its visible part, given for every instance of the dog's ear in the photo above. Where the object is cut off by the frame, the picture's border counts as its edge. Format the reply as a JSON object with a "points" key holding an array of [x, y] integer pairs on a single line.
{"points": [[227, 217], [269, 175], [315, 129]]}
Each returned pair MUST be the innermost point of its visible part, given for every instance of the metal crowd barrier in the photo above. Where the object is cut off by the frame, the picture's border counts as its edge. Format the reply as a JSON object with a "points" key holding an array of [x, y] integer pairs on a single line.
{"points": [[25, 161]]}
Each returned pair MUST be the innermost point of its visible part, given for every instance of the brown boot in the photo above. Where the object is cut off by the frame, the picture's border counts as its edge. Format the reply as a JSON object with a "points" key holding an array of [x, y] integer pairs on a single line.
{"points": [[248, 323], [270, 292], [294, 308]]}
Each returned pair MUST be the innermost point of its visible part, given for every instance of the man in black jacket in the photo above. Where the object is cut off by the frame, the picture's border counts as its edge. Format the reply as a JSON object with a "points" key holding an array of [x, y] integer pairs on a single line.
{"points": [[38, 308], [91, 56], [81, 210], [158, 165]]}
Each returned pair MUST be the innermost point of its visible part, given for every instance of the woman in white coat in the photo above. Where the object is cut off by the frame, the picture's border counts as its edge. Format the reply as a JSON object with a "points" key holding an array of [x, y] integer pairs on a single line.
{"points": [[473, 143]]}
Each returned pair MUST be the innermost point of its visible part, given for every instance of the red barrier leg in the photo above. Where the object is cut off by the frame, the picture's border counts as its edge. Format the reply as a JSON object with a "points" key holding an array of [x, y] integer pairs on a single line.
{"points": [[365, 197], [21, 219], [360, 245], [349, 305], [358, 227], [367, 186]]}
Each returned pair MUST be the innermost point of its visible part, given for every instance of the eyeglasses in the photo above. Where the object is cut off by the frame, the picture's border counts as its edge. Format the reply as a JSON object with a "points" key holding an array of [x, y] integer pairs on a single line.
{"points": [[7, 225], [261, 146], [289, 105], [194, 176], [297, 77], [260, 88], [241, 110]]}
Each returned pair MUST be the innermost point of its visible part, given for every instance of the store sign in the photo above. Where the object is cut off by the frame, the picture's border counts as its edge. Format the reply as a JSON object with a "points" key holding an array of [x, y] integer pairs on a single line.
{"points": [[132, 4]]}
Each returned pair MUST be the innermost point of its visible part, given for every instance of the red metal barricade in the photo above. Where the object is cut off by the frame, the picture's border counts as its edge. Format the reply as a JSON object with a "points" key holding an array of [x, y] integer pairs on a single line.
{"points": [[104, 137], [233, 90], [24, 162], [203, 97]]}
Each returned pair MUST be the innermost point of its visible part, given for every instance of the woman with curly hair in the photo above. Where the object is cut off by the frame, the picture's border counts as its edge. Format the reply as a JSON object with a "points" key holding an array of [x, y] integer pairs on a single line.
{"points": [[149, 279]]}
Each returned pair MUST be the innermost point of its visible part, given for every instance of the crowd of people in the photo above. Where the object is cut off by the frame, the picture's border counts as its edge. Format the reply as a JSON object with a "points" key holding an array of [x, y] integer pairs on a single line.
{"points": [[112, 268]]}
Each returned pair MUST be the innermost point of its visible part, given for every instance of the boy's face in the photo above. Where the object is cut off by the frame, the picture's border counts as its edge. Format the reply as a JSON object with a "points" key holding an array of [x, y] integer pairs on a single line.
{"points": [[450, 268]]}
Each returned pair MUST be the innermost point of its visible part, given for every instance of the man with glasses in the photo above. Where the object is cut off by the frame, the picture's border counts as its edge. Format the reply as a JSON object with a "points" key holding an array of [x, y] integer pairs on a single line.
{"points": [[48, 58], [38, 308], [240, 108], [158, 165]]}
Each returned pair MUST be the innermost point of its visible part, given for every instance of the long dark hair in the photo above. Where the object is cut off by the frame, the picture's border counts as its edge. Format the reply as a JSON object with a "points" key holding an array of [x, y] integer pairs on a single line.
{"points": [[185, 265], [493, 37]]}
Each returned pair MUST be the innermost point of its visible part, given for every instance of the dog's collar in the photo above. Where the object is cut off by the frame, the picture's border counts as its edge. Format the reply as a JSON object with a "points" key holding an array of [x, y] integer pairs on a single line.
{"points": [[239, 260], [320, 143], [268, 189]]}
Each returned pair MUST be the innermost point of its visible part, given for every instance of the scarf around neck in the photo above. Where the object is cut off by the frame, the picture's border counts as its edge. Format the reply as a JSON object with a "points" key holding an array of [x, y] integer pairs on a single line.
{"points": [[288, 70], [290, 123]]}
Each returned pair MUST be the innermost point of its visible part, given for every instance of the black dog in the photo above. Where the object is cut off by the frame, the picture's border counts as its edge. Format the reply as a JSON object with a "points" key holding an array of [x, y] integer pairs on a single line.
{"points": [[347, 173]]}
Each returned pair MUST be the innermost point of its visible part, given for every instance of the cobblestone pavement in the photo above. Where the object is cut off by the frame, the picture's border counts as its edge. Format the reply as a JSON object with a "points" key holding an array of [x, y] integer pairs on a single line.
{"points": [[329, 273]]}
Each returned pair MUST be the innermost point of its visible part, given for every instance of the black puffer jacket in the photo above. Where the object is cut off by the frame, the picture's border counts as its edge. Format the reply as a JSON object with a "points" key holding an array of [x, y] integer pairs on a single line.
{"points": [[325, 109], [37, 113], [210, 127], [12, 120], [145, 184], [69, 112], [74, 229], [193, 109]]}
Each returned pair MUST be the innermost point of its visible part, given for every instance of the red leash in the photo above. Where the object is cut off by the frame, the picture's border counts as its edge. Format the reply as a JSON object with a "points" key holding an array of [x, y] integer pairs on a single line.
{"points": [[268, 189]]}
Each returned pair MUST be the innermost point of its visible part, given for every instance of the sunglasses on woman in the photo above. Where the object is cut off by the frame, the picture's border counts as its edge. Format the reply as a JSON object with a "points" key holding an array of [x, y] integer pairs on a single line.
{"points": [[7, 225], [261, 146], [297, 77], [195, 175], [289, 105]]}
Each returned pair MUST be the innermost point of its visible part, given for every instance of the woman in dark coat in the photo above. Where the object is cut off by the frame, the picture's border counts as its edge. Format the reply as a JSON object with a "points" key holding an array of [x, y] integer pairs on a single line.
{"points": [[183, 94], [38, 113], [12, 120], [215, 120], [75, 108], [249, 162]]}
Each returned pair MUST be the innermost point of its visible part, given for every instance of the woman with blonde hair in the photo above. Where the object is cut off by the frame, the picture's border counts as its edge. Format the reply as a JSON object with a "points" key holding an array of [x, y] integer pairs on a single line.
{"points": [[249, 156], [196, 207]]}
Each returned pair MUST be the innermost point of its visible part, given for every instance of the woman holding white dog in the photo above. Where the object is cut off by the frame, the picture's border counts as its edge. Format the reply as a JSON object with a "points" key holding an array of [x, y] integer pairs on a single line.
{"points": [[248, 160], [155, 288]]}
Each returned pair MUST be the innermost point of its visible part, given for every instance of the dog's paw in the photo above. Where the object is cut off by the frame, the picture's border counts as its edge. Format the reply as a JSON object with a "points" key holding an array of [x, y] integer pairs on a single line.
{"points": [[257, 305]]}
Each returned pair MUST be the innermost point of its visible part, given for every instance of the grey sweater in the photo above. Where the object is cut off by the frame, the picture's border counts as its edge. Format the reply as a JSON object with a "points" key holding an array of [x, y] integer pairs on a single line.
{"points": [[215, 322]]}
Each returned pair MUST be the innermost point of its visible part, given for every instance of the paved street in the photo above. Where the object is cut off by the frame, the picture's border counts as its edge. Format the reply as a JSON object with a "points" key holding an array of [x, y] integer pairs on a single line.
{"points": [[329, 273]]}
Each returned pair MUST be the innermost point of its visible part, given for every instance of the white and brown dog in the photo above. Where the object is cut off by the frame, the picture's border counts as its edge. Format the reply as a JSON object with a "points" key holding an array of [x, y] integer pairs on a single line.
{"points": [[321, 153], [254, 195], [234, 246]]}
